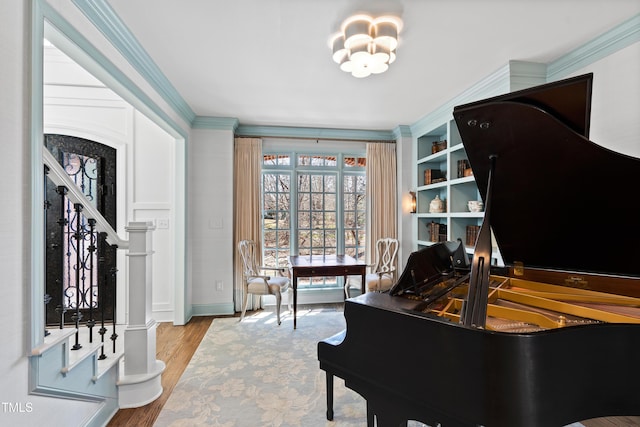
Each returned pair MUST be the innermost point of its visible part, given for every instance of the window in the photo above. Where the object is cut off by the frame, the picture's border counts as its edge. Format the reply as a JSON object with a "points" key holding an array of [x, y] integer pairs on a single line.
{"points": [[328, 215]]}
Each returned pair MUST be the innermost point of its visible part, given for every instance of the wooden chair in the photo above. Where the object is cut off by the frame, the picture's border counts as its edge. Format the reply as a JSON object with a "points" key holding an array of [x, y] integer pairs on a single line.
{"points": [[260, 284], [383, 272]]}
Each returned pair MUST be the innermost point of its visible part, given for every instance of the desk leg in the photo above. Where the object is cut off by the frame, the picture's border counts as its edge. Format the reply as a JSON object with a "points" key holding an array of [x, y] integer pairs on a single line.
{"points": [[364, 284], [295, 299]]}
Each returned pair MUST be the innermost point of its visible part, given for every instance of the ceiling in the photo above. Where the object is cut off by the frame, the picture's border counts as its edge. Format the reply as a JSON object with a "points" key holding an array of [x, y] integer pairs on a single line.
{"points": [[268, 62]]}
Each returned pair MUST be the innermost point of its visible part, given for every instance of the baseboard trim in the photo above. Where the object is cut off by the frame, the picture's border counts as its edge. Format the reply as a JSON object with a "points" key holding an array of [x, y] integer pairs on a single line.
{"points": [[212, 309]]}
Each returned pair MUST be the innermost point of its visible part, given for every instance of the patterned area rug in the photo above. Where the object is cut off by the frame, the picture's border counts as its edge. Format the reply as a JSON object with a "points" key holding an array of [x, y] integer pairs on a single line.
{"points": [[257, 373]]}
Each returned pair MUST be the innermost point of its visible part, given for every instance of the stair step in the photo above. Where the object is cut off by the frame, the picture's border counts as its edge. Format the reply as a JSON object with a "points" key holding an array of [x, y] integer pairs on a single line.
{"points": [[55, 337], [75, 357]]}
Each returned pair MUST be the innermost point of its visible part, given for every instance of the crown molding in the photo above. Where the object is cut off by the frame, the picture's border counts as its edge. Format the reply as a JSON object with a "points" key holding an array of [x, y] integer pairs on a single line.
{"points": [[602, 46], [402, 131], [111, 26], [220, 123]]}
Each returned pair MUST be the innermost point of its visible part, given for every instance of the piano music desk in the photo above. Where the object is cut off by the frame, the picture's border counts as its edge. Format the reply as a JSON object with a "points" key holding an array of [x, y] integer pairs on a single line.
{"points": [[323, 265]]}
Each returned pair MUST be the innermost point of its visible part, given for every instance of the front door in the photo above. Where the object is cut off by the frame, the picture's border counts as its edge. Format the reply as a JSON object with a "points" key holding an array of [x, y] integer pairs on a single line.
{"points": [[80, 272]]}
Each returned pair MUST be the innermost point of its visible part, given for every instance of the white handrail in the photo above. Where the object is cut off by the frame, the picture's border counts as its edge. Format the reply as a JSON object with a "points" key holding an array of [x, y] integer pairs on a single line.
{"points": [[60, 177]]}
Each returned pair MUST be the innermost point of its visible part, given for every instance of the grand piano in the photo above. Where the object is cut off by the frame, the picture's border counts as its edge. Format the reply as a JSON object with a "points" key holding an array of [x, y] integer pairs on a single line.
{"points": [[551, 338]]}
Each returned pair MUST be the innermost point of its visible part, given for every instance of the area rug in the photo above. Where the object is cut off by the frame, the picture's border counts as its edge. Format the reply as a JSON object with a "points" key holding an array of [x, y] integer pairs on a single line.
{"points": [[256, 373]]}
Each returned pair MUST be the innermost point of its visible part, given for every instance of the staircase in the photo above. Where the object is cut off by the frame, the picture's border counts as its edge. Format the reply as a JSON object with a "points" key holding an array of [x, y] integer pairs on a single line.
{"points": [[59, 371], [69, 362]]}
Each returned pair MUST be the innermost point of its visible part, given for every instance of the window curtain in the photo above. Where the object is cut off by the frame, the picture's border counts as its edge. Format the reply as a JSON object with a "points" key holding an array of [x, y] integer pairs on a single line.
{"points": [[381, 195], [247, 216]]}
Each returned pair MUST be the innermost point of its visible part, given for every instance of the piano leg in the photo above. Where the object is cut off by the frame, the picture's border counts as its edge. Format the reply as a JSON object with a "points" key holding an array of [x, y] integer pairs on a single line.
{"points": [[329, 396], [370, 416]]}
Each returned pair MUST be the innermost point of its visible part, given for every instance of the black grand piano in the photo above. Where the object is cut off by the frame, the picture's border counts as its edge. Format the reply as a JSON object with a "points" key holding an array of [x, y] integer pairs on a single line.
{"points": [[550, 339]]}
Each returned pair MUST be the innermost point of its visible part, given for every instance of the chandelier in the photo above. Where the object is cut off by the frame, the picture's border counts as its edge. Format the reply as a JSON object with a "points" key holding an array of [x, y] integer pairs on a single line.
{"points": [[366, 45]]}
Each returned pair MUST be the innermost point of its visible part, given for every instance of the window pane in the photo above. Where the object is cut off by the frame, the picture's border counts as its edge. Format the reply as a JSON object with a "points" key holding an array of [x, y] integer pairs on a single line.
{"points": [[354, 215], [283, 240], [330, 202], [276, 207], [283, 221], [330, 220], [304, 183], [351, 162], [317, 183], [330, 184], [317, 220], [349, 202], [284, 183], [304, 202], [350, 238], [270, 159], [269, 182], [304, 220], [269, 239], [283, 202], [304, 239], [304, 160], [349, 183], [269, 201], [269, 257], [283, 256], [317, 202]]}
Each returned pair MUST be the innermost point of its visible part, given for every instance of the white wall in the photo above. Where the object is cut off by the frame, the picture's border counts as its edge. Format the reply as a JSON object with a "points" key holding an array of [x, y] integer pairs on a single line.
{"points": [[615, 112], [210, 233], [153, 199]]}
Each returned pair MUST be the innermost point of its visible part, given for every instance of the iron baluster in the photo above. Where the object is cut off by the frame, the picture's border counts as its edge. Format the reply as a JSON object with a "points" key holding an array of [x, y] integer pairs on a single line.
{"points": [[102, 285], [92, 248], [47, 205], [114, 336], [61, 309], [78, 236]]}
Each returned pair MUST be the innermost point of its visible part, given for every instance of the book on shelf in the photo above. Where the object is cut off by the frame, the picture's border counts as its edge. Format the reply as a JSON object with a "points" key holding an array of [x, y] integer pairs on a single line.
{"points": [[472, 234], [437, 231], [464, 168], [431, 176], [438, 146]]}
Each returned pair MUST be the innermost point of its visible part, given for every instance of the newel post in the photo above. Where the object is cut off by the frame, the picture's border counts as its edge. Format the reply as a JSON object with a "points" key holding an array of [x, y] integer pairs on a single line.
{"points": [[140, 383]]}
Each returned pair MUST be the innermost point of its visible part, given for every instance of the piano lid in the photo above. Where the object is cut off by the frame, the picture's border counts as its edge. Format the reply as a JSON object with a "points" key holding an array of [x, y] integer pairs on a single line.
{"points": [[560, 201]]}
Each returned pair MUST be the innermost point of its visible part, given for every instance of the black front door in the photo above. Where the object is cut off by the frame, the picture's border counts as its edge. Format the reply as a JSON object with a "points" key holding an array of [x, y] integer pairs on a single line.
{"points": [[80, 266]]}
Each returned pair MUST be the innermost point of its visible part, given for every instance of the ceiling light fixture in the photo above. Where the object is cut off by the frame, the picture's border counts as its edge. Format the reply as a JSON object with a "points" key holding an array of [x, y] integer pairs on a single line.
{"points": [[366, 45]]}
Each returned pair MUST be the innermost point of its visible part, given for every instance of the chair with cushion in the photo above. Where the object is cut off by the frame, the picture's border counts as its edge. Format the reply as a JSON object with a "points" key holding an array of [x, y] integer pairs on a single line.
{"points": [[256, 283], [382, 275]]}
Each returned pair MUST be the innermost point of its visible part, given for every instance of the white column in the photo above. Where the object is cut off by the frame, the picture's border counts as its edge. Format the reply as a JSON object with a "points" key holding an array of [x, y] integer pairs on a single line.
{"points": [[140, 382]]}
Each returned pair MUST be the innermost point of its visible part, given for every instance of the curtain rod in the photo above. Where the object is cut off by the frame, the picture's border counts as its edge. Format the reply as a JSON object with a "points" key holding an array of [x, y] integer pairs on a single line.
{"points": [[306, 138]]}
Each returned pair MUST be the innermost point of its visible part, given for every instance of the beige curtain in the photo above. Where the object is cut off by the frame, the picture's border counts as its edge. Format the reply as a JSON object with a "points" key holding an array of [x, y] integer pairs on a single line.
{"points": [[381, 194], [247, 215]]}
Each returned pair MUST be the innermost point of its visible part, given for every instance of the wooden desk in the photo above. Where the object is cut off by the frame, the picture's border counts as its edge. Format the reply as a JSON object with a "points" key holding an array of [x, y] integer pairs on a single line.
{"points": [[322, 265]]}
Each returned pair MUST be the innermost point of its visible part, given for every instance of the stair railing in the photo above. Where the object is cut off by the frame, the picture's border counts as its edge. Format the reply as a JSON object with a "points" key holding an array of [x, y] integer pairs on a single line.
{"points": [[139, 383]]}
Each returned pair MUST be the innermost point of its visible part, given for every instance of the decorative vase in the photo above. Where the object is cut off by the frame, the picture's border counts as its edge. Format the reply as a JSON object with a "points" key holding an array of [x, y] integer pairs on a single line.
{"points": [[475, 205], [436, 205]]}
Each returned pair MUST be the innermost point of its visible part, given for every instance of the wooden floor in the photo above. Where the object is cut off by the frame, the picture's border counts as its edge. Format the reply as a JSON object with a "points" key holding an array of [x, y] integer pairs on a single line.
{"points": [[175, 346]]}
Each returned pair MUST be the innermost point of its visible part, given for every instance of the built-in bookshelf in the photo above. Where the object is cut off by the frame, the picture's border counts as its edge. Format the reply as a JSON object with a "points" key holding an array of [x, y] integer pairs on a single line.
{"points": [[444, 172]]}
